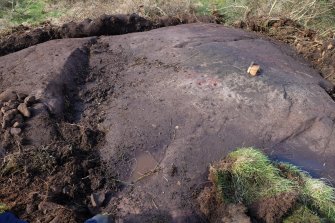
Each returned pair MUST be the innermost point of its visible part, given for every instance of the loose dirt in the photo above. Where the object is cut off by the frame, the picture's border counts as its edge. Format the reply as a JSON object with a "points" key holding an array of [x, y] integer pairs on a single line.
{"points": [[22, 37]]}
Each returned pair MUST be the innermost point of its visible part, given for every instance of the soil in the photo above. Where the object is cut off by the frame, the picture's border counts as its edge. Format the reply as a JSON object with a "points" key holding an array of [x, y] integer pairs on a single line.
{"points": [[214, 204], [180, 94], [49, 171], [22, 37], [217, 211], [270, 210], [273, 209]]}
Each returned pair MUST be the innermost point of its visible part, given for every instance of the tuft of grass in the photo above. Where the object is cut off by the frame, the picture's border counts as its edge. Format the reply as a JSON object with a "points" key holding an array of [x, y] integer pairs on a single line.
{"points": [[206, 7], [320, 196], [291, 172], [37, 160], [3, 208], [316, 14], [250, 176], [302, 215], [247, 176], [10, 165], [314, 193]]}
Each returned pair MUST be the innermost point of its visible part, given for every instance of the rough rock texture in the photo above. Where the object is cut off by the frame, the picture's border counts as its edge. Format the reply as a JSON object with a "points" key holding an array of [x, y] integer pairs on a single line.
{"points": [[182, 95]]}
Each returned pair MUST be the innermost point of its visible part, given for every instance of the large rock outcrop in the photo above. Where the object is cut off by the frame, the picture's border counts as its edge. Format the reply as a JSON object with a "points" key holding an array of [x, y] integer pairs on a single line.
{"points": [[173, 100]]}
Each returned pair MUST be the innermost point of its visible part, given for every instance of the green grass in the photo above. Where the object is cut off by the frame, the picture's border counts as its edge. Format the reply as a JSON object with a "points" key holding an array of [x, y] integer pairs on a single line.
{"points": [[320, 196], [251, 177], [302, 215], [29, 12], [206, 7], [316, 14], [314, 193], [247, 175]]}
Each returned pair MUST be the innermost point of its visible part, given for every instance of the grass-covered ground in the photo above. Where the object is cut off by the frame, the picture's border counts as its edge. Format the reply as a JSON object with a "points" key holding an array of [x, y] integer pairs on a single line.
{"points": [[316, 14], [247, 176]]}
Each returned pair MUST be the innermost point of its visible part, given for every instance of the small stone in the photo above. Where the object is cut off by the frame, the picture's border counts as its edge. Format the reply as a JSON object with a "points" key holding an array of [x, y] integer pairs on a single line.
{"points": [[11, 104], [4, 109], [46, 207], [254, 69], [330, 46], [56, 220], [8, 95], [97, 199], [18, 118], [17, 125], [66, 190], [10, 114], [29, 100], [21, 96], [30, 208], [24, 110], [5, 124], [8, 117], [15, 131]]}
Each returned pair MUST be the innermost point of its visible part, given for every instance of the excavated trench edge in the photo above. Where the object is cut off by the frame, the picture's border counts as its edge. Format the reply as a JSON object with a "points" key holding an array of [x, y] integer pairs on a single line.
{"points": [[104, 25]]}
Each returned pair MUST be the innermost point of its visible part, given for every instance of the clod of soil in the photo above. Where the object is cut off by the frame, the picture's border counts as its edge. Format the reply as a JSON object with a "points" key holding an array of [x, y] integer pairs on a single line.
{"points": [[212, 205], [267, 189], [247, 176], [273, 209]]}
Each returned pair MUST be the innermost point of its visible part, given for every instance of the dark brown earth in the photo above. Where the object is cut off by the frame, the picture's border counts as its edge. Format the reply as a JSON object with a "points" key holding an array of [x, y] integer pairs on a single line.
{"points": [[180, 95], [217, 211], [22, 37], [273, 209]]}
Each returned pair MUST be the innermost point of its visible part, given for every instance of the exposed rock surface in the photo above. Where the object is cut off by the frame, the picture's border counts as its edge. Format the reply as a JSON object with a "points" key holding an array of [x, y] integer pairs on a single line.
{"points": [[182, 95]]}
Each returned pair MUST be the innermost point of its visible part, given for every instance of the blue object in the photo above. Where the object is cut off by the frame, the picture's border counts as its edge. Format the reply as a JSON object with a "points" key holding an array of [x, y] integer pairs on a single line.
{"points": [[99, 218], [91, 221], [8, 217]]}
